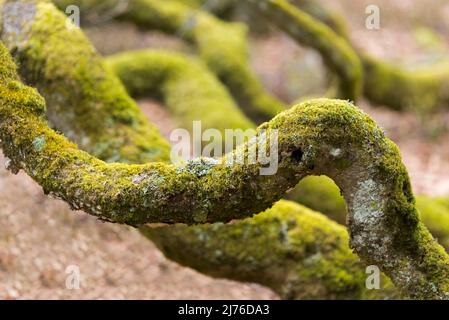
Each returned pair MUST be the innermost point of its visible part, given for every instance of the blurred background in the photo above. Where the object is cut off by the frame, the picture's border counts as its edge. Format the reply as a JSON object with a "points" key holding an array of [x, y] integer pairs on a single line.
{"points": [[40, 236]]}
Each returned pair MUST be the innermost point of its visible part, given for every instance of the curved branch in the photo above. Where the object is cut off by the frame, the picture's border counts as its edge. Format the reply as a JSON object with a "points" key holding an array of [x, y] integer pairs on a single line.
{"points": [[336, 52], [189, 92], [317, 137], [74, 85], [298, 253], [329, 18], [337, 274], [146, 192], [321, 194], [295, 267], [226, 56], [425, 89], [168, 246], [383, 223], [188, 88]]}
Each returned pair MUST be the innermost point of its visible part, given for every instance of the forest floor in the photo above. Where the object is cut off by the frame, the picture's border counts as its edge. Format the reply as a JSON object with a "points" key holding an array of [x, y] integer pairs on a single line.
{"points": [[40, 236]]}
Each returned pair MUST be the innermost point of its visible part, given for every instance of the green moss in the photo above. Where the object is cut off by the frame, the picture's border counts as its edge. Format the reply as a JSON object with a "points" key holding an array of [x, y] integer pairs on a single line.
{"points": [[336, 52], [331, 19], [136, 194], [78, 85], [297, 252], [388, 233], [434, 212], [228, 56], [186, 86], [337, 275], [220, 8], [106, 190], [320, 194], [221, 45], [423, 89]]}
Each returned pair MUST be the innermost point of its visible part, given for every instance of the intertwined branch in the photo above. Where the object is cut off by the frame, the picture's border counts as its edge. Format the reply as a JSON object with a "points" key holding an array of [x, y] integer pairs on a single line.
{"points": [[322, 136]]}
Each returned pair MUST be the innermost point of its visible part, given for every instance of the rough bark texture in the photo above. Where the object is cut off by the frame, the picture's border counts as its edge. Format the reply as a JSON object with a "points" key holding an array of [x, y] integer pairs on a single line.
{"points": [[13, 92], [293, 267], [383, 223], [189, 91], [321, 194]]}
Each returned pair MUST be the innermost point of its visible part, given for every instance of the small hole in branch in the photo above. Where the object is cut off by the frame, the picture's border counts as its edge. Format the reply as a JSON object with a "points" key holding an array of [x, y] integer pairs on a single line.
{"points": [[297, 154]]}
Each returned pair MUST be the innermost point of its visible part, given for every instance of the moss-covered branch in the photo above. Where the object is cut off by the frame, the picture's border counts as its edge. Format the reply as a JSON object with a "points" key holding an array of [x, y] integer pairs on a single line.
{"points": [[303, 266], [201, 191], [333, 20], [227, 55], [309, 6], [207, 33], [173, 75], [187, 87], [74, 81], [424, 89], [385, 228], [321, 194], [336, 52], [222, 45], [338, 260], [189, 90], [220, 8], [298, 253], [116, 192], [317, 137], [313, 195]]}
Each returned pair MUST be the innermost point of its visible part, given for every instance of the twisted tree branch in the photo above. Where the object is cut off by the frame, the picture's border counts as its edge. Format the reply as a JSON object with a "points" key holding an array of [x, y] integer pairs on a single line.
{"points": [[383, 223], [317, 137]]}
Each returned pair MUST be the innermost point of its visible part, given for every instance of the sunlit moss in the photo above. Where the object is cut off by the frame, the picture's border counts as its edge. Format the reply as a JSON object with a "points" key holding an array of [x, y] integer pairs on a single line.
{"points": [[136, 194]]}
